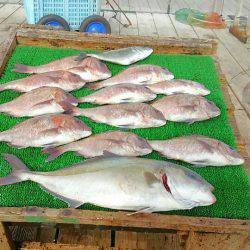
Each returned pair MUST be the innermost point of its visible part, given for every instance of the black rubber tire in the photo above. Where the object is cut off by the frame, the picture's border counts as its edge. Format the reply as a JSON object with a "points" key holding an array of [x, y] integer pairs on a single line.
{"points": [[95, 18], [56, 18]]}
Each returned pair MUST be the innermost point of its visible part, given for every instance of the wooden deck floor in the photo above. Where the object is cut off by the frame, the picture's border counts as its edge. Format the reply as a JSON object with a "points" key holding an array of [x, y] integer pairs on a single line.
{"points": [[150, 18]]}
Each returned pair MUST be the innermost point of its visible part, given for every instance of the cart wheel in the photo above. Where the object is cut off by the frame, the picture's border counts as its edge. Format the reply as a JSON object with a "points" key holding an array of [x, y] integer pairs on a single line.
{"points": [[95, 24], [55, 21]]}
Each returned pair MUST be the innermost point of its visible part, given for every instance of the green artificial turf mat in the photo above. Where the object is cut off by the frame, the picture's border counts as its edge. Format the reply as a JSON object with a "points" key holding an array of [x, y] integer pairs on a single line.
{"points": [[231, 183]]}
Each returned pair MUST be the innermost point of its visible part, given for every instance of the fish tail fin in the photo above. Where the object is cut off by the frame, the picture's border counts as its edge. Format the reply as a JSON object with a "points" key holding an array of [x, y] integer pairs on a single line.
{"points": [[53, 152], [83, 99], [3, 87], [82, 56], [21, 68], [18, 169]]}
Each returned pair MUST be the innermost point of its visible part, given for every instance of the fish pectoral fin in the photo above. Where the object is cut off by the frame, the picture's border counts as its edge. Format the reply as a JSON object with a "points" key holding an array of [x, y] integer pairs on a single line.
{"points": [[82, 56], [71, 203], [150, 178], [42, 104], [143, 210], [200, 163], [106, 153]]}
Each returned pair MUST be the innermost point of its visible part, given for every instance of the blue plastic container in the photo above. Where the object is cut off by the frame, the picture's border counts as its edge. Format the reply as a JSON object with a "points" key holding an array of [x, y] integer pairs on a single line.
{"points": [[73, 11]]}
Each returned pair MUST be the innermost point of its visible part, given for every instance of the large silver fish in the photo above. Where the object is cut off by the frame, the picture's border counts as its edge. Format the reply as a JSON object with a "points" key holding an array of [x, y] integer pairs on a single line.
{"points": [[124, 56], [44, 131], [126, 115], [45, 100], [138, 74], [186, 108], [61, 64], [120, 93], [111, 142], [199, 150], [61, 79], [127, 183], [178, 86]]}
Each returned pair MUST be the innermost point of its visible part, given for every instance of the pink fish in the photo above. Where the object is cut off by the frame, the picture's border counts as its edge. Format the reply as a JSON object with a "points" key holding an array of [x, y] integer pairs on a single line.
{"points": [[45, 100], [113, 142], [61, 79], [138, 74], [44, 131]]}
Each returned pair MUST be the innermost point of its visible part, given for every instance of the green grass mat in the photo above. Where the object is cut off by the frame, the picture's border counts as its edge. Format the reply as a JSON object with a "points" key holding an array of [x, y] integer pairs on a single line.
{"points": [[231, 183]]}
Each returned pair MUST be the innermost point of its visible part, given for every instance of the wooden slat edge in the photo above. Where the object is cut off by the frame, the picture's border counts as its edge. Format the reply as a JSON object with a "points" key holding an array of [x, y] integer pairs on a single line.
{"points": [[39, 36], [230, 107], [122, 219], [7, 49]]}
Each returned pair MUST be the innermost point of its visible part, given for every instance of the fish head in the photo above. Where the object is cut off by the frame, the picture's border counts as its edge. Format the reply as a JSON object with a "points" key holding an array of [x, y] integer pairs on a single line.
{"points": [[139, 144], [153, 115], [71, 99], [231, 154], [143, 51], [210, 108], [202, 90], [187, 187], [165, 74], [99, 69], [82, 128]]}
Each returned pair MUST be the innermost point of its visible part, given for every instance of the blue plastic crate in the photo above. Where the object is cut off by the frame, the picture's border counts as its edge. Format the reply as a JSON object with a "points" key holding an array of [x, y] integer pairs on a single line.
{"points": [[73, 11]]}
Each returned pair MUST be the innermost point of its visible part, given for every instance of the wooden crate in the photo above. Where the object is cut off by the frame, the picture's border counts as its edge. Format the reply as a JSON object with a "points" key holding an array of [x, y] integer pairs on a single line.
{"points": [[117, 230]]}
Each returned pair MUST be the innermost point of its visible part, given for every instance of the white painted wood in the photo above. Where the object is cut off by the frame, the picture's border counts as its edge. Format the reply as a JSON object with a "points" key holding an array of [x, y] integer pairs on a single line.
{"points": [[164, 25], [235, 47], [131, 30], [115, 26], [229, 65], [238, 84], [7, 10], [17, 17], [204, 33], [183, 30], [154, 6], [234, 100], [146, 24], [124, 5], [243, 124]]}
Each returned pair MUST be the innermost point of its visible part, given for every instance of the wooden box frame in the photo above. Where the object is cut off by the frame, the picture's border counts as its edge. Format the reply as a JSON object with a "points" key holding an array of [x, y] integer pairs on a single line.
{"points": [[39, 36]]}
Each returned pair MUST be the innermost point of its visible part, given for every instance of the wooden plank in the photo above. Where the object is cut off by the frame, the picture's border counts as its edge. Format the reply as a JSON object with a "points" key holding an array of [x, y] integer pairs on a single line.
{"points": [[131, 30], [149, 241], [54, 246], [229, 65], [183, 30], [235, 47], [5, 240], [154, 6], [164, 25], [204, 241], [46, 233], [146, 24], [7, 10], [238, 85], [7, 48], [243, 124], [204, 33], [121, 219], [38, 36], [17, 17], [85, 236]]}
